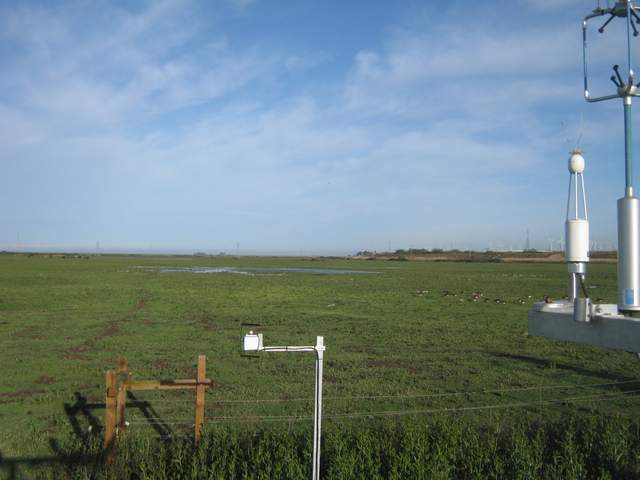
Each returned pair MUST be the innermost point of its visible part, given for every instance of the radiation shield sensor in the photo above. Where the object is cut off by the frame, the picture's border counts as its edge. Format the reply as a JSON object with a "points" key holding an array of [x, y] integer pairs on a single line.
{"points": [[252, 342]]}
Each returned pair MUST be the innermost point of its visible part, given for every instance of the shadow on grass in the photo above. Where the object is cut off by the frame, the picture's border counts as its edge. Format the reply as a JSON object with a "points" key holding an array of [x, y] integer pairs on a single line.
{"points": [[546, 363], [79, 413], [24, 467], [84, 409]]}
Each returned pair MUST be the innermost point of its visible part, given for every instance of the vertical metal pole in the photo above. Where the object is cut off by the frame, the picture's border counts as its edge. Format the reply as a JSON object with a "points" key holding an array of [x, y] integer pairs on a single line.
{"points": [[569, 196], [628, 228], [320, 358], [576, 189], [584, 196], [584, 55], [314, 463], [628, 148], [317, 414], [573, 287]]}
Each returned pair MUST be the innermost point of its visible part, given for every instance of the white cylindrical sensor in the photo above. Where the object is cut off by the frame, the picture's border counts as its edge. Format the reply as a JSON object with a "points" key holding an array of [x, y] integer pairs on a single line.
{"points": [[629, 254], [577, 240]]}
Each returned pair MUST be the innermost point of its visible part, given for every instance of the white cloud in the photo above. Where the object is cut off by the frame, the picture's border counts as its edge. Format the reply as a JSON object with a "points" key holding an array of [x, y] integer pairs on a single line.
{"points": [[144, 118], [465, 67], [128, 67]]}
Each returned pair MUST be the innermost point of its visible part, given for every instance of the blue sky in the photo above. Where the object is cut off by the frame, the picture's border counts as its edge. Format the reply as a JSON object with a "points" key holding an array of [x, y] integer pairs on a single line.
{"points": [[301, 126]]}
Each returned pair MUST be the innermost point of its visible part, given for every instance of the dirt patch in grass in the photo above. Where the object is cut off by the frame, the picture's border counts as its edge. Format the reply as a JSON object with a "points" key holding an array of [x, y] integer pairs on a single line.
{"points": [[203, 319], [160, 365], [44, 380], [407, 365], [71, 355], [110, 329], [11, 397], [31, 333]]}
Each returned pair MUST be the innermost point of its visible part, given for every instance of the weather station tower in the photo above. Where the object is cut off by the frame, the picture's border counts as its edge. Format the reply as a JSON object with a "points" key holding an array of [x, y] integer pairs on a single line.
{"points": [[578, 319]]}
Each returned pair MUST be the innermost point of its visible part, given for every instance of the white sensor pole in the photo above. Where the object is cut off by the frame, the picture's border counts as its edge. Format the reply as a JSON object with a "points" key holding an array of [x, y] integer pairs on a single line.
{"points": [[253, 342]]}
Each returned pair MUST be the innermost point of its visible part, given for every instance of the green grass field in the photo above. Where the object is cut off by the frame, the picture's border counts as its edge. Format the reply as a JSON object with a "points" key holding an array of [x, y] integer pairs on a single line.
{"points": [[409, 331]]}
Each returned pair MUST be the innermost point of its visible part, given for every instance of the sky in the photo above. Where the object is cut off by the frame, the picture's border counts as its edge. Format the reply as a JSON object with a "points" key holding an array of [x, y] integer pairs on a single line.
{"points": [[302, 127]]}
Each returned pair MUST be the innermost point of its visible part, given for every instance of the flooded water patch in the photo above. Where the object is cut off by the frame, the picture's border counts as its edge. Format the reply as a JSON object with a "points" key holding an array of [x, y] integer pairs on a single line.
{"points": [[258, 271]]}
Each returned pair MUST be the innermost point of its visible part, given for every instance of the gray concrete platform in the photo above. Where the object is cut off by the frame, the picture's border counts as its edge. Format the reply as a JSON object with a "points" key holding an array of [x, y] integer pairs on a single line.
{"points": [[607, 327]]}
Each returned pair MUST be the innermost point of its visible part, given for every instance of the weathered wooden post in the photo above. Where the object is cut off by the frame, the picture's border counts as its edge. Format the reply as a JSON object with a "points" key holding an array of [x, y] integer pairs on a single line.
{"points": [[201, 386], [119, 382], [110, 410], [121, 401]]}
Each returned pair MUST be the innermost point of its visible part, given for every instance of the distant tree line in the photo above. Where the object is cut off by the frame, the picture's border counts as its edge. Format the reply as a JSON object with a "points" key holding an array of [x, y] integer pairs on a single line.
{"points": [[409, 251]]}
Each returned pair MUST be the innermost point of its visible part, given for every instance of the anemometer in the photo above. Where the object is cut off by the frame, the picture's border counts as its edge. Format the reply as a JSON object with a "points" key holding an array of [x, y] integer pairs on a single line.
{"points": [[577, 319]]}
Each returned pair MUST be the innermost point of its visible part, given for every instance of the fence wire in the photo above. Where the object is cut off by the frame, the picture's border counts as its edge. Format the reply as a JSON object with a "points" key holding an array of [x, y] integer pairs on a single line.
{"points": [[423, 395], [386, 413]]}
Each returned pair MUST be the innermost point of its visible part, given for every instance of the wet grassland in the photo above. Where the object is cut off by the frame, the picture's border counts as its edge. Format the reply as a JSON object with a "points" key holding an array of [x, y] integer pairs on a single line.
{"points": [[410, 343]]}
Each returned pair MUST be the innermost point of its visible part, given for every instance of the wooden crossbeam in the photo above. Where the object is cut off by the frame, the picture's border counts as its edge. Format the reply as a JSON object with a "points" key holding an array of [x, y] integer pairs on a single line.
{"points": [[118, 382], [188, 384]]}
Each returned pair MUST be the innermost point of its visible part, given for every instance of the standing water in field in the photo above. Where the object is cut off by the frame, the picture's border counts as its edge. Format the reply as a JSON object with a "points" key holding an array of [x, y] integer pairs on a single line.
{"points": [[258, 271]]}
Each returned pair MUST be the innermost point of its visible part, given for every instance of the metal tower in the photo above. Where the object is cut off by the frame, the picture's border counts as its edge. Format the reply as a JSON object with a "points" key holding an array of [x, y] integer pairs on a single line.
{"points": [[578, 319]]}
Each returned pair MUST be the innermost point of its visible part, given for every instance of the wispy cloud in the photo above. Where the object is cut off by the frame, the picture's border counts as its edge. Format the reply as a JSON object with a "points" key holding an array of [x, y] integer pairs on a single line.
{"points": [[141, 130]]}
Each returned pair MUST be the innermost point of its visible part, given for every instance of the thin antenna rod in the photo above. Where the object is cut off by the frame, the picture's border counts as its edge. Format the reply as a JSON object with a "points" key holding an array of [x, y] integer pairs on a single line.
{"points": [[628, 147], [584, 57], [580, 129]]}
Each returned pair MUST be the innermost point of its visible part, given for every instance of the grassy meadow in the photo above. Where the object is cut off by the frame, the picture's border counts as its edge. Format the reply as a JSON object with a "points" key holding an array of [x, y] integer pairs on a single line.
{"points": [[412, 342]]}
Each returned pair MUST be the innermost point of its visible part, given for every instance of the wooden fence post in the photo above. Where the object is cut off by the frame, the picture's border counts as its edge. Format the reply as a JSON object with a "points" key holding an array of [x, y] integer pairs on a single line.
{"points": [[119, 382], [200, 389], [110, 410], [123, 378]]}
